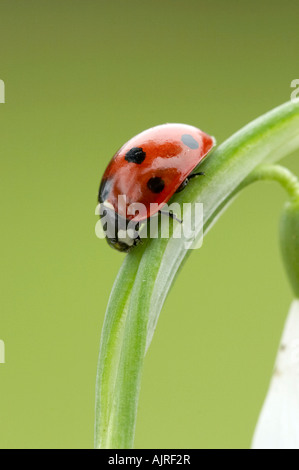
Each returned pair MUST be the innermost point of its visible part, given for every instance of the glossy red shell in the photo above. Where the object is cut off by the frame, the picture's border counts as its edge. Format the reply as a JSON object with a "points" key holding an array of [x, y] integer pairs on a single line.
{"points": [[172, 151]]}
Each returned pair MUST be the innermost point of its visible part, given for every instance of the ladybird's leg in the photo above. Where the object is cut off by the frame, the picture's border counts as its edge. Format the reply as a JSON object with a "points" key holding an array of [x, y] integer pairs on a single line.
{"points": [[137, 241], [137, 238], [186, 181], [200, 173], [171, 215]]}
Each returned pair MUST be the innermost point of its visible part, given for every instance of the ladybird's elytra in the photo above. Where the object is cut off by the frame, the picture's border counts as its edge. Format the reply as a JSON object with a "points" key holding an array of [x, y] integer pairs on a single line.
{"points": [[150, 168]]}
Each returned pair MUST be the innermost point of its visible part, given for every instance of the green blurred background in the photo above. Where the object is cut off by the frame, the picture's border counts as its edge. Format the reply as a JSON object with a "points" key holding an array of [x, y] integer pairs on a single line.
{"points": [[82, 77]]}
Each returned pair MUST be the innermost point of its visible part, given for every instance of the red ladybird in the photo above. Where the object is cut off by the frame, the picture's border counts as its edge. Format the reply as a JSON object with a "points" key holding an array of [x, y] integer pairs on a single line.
{"points": [[149, 169]]}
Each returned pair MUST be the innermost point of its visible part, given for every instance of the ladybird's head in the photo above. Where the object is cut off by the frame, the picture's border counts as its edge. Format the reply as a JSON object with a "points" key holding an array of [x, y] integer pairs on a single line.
{"points": [[118, 234], [118, 245]]}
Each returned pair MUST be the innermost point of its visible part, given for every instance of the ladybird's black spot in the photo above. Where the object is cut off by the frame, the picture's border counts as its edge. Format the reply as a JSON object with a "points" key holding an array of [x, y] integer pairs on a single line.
{"points": [[135, 155], [104, 190], [188, 140], [156, 184]]}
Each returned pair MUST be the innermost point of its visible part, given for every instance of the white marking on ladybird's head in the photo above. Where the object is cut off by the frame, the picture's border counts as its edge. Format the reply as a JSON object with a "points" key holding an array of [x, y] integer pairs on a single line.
{"points": [[122, 234], [131, 233], [124, 237]]}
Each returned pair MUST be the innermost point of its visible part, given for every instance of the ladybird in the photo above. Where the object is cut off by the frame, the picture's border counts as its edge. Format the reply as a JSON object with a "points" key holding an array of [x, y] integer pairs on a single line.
{"points": [[146, 172]]}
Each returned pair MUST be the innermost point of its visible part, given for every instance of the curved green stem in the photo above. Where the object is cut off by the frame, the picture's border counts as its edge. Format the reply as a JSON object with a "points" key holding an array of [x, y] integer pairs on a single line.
{"points": [[289, 242], [289, 223], [149, 270], [277, 173]]}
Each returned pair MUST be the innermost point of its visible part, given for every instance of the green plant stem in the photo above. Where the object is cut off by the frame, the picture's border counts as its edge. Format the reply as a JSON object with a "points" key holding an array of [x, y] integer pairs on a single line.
{"points": [[148, 272], [289, 222], [277, 173], [289, 242]]}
